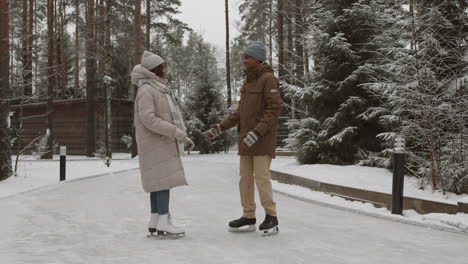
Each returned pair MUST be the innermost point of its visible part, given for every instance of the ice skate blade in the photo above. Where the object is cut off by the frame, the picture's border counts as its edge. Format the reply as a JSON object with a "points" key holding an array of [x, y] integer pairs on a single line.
{"points": [[249, 228], [271, 231], [166, 235]]}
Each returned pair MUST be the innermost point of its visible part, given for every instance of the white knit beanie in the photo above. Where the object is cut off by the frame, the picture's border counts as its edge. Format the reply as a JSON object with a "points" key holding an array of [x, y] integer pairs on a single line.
{"points": [[151, 60]]}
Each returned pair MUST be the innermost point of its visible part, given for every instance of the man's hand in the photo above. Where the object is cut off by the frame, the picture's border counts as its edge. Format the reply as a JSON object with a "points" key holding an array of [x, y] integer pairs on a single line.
{"points": [[251, 138], [214, 131]]}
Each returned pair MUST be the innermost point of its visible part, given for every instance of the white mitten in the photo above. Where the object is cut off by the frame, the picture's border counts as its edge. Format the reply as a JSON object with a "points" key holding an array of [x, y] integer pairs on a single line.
{"points": [[214, 131], [250, 139]]}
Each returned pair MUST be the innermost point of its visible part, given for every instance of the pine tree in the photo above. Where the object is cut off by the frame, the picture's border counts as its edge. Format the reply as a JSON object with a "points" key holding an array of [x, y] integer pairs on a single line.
{"points": [[204, 103], [5, 144], [346, 38], [427, 93]]}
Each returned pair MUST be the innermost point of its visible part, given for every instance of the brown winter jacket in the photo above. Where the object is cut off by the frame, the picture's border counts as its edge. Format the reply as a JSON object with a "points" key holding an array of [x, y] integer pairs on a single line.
{"points": [[259, 110]]}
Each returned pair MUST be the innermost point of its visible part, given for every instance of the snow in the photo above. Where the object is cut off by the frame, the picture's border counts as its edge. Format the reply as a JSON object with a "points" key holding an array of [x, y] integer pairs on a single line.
{"points": [[457, 222], [9, 119], [104, 220], [33, 173], [373, 179]]}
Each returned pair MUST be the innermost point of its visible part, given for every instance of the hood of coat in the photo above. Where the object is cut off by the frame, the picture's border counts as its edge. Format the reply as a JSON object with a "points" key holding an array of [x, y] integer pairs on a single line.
{"points": [[141, 73], [253, 74]]}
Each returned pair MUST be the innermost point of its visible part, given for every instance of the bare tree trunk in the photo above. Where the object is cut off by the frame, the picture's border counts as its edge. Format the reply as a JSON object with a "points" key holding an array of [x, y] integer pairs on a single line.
{"points": [[299, 50], [433, 169], [100, 31], [280, 26], [63, 74], [36, 57], [5, 142], [24, 50], [77, 49], [270, 31], [289, 60], [411, 6], [90, 78], [108, 43], [137, 23], [50, 79], [58, 84], [290, 41], [29, 75], [148, 24], [228, 62], [136, 60]]}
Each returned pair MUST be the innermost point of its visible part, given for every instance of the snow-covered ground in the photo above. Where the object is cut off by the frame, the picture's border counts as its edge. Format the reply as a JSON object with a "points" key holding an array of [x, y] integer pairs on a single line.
{"points": [[104, 219], [373, 179], [33, 173]]}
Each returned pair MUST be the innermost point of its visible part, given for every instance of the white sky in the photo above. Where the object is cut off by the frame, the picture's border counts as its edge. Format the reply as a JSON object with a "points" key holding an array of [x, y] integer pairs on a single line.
{"points": [[208, 17]]}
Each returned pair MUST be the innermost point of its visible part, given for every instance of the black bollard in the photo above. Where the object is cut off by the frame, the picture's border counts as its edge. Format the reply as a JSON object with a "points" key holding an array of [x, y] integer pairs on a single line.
{"points": [[398, 157], [63, 161]]}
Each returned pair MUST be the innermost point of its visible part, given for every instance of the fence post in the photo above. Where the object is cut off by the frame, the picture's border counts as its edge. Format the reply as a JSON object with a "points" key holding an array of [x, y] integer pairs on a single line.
{"points": [[63, 161], [398, 158]]}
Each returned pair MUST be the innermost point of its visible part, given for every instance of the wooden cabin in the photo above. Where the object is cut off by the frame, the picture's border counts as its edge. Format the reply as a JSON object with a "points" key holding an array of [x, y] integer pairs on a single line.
{"points": [[70, 123]]}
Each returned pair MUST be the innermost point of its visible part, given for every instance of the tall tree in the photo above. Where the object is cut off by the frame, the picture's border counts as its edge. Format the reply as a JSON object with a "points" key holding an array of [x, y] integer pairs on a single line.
{"points": [[50, 78], [24, 38], [270, 31], [280, 23], [136, 60], [228, 63], [31, 35], [148, 25], [204, 101], [76, 71], [61, 51], [348, 38], [289, 51], [26, 35], [5, 143], [137, 35], [90, 79], [299, 46]]}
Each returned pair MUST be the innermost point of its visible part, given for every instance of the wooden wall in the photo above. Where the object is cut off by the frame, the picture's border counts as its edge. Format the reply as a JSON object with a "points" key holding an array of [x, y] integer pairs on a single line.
{"points": [[70, 124]]}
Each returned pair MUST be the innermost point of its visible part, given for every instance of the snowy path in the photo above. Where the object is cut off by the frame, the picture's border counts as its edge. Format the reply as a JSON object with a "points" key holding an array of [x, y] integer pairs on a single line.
{"points": [[103, 220]]}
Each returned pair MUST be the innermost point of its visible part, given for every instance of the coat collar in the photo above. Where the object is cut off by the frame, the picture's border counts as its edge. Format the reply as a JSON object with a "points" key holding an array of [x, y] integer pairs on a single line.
{"points": [[253, 74]]}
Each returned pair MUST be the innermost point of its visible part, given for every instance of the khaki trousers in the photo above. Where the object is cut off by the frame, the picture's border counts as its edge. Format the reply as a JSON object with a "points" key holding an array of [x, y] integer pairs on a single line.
{"points": [[255, 170]]}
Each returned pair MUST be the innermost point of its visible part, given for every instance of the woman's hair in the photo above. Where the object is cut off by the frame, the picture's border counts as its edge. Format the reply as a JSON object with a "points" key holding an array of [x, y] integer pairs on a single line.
{"points": [[159, 70]]}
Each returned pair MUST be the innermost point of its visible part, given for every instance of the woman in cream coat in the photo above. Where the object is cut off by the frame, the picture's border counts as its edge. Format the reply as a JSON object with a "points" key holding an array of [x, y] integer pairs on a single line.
{"points": [[160, 135]]}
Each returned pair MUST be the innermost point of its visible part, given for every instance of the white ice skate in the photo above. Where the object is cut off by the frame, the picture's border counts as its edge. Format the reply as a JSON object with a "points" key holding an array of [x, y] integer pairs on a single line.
{"points": [[165, 228], [153, 223]]}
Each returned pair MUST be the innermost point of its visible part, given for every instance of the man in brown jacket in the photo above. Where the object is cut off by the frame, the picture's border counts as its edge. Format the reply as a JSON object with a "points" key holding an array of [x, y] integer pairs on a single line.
{"points": [[257, 121]]}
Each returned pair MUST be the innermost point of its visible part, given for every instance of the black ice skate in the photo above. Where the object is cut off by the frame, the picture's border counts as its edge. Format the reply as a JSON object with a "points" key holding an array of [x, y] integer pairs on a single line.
{"points": [[269, 226], [242, 225]]}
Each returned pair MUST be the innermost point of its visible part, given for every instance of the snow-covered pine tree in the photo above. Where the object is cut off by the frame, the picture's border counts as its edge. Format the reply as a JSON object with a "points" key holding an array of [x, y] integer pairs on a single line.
{"points": [[345, 39], [427, 94], [204, 102]]}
